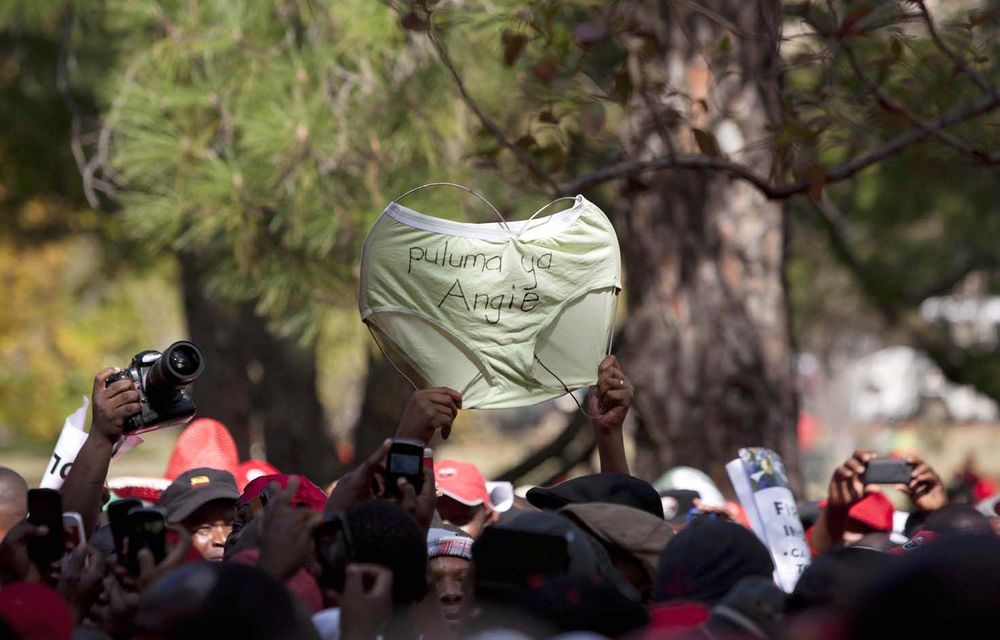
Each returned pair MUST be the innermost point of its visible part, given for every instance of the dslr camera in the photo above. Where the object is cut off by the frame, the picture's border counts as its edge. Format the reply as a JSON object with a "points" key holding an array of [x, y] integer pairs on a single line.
{"points": [[162, 380]]}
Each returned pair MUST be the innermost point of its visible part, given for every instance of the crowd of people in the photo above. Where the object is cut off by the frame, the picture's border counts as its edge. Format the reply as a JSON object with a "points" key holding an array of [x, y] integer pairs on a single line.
{"points": [[605, 555]]}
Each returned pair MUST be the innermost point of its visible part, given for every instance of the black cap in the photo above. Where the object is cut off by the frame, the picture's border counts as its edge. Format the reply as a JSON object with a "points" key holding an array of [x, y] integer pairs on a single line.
{"points": [[617, 488], [194, 489]]}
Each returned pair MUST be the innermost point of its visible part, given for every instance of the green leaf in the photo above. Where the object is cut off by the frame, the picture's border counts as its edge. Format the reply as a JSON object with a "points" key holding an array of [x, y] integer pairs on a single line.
{"points": [[412, 22], [622, 86], [548, 117], [546, 70], [707, 142], [725, 45], [513, 46], [896, 48], [592, 118]]}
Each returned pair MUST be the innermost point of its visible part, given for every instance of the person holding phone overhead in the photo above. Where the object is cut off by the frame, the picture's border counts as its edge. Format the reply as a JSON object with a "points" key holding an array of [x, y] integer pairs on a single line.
{"points": [[855, 507]]}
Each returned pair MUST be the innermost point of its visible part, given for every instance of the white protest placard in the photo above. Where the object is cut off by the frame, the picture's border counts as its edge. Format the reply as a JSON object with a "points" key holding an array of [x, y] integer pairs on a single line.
{"points": [[70, 441], [758, 476]]}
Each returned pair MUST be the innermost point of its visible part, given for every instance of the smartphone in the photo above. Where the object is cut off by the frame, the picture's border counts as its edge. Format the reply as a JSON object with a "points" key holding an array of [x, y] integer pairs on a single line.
{"points": [[146, 529], [887, 471], [696, 515], [405, 460], [45, 508], [73, 528], [507, 561], [333, 551], [117, 517]]}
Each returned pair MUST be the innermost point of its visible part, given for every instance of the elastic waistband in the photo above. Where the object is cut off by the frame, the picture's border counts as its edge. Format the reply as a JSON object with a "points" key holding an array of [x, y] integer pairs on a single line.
{"points": [[532, 229]]}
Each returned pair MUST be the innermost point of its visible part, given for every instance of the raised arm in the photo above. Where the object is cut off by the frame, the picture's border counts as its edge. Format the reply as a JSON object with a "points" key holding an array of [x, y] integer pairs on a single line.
{"points": [[609, 401], [845, 489], [84, 487]]}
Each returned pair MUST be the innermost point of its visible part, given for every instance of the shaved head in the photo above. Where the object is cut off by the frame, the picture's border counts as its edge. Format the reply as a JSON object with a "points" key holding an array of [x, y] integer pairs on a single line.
{"points": [[13, 499]]}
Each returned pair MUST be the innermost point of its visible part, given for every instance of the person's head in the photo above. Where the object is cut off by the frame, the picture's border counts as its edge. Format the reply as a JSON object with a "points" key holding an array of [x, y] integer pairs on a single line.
{"points": [[616, 488], [958, 519], [203, 501], [947, 589], [633, 539], [836, 578], [13, 500], [705, 560], [449, 557], [384, 533], [463, 499], [255, 497], [228, 600]]}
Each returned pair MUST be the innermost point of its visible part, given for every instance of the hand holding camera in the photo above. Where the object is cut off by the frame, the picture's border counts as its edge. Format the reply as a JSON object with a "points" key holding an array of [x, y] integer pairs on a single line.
{"points": [[151, 394], [114, 404]]}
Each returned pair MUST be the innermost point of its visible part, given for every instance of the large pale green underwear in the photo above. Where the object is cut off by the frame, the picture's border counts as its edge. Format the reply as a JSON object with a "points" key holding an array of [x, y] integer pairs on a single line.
{"points": [[508, 314]]}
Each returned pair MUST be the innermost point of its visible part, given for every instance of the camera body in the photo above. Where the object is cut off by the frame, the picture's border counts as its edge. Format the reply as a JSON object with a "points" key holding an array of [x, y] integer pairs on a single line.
{"points": [[162, 380]]}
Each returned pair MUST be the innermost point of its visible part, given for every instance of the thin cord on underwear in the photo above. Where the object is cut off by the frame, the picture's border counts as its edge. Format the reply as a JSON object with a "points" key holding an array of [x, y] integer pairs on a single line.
{"points": [[388, 359], [489, 204], [527, 223], [566, 389]]}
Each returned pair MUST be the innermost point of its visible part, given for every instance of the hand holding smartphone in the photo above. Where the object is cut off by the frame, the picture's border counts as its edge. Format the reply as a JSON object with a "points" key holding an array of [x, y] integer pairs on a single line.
{"points": [[147, 529], [118, 519], [45, 509], [405, 460], [887, 471]]}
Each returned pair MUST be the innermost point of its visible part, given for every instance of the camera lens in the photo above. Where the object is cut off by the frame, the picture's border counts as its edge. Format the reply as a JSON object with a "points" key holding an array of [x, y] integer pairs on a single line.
{"points": [[179, 366], [185, 360]]}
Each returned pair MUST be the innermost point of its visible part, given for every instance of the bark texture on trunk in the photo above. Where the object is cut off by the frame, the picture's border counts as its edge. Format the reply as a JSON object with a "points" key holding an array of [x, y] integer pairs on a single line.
{"points": [[386, 394], [263, 388], [708, 341]]}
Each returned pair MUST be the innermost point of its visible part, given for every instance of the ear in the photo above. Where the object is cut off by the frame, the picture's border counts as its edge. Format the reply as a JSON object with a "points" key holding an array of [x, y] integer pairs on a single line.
{"points": [[492, 517]]}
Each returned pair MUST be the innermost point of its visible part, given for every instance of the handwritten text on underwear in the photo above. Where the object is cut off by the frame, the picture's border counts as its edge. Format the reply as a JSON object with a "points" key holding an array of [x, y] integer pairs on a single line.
{"points": [[492, 304]]}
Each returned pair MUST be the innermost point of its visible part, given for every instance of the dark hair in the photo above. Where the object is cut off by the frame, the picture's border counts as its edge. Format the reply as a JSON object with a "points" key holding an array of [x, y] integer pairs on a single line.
{"points": [[838, 577], [705, 560], [947, 589], [211, 600], [383, 533], [958, 519]]}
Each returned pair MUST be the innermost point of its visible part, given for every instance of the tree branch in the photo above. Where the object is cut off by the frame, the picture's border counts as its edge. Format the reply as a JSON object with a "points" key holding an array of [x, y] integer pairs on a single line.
{"points": [[555, 447], [898, 107], [960, 62], [834, 174], [530, 163]]}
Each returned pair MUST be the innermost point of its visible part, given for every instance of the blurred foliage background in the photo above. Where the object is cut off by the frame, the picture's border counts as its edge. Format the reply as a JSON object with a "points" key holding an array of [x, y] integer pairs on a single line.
{"points": [[253, 144]]}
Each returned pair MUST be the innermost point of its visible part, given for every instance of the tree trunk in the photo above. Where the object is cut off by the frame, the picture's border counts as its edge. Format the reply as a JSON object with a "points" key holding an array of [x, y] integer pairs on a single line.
{"points": [[708, 336], [261, 387], [386, 394]]}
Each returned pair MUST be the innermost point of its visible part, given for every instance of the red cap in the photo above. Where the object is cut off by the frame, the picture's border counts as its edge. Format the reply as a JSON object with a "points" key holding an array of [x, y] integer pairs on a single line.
{"points": [[675, 620], [251, 470], [874, 510], [462, 482], [35, 612], [204, 443], [918, 541], [307, 495]]}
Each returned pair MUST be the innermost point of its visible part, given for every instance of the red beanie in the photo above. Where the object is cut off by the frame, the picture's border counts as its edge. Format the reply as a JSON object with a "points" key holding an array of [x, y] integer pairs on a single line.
{"points": [[204, 443], [874, 510], [35, 612]]}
